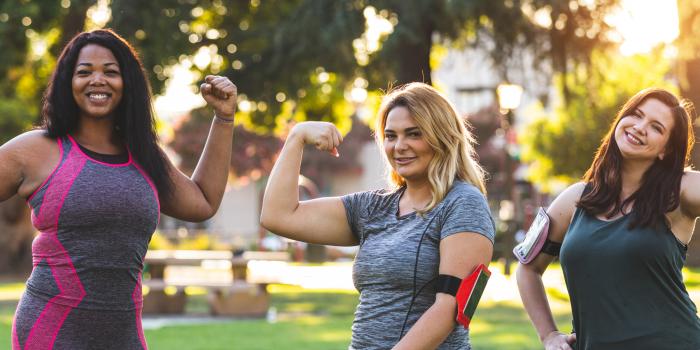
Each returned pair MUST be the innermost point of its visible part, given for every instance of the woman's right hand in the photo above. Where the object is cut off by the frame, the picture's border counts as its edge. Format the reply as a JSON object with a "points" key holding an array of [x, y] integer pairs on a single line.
{"points": [[559, 341], [323, 135]]}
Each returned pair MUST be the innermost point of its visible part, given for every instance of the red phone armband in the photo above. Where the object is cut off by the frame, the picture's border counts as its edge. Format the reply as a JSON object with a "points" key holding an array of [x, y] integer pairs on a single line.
{"points": [[467, 292]]}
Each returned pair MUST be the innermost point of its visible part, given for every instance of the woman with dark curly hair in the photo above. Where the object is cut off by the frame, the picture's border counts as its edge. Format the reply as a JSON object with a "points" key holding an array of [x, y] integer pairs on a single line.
{"points": [[625, 231], [96, 181]]}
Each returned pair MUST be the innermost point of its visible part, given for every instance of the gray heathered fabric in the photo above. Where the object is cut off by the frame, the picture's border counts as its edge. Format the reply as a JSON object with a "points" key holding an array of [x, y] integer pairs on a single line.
{"points": [[105, 223], [383, 269]]}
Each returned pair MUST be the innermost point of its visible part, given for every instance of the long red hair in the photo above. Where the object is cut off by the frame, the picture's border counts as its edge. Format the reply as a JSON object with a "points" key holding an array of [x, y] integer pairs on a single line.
{"points": [[661, 183]]}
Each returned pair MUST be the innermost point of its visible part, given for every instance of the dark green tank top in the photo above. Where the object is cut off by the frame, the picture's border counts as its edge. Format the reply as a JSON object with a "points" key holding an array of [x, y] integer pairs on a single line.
{"points": [[626, 286]]}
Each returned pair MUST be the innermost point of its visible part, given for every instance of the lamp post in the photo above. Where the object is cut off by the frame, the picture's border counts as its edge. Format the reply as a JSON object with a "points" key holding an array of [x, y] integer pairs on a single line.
{"points": [[509, 96]]}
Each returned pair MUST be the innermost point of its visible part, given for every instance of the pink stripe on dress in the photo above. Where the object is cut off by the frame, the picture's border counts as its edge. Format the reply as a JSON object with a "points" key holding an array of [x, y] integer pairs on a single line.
{"points": [[71, 289], [15, 339], [137, 297]]}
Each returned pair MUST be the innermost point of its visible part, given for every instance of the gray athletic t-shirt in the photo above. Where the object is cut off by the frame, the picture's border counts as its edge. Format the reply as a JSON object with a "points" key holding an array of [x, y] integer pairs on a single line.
{"points": [[384, 266]]}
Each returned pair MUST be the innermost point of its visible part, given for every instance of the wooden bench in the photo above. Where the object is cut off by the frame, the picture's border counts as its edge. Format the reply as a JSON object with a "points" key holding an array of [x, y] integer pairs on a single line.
{"points": [[233, 296]]}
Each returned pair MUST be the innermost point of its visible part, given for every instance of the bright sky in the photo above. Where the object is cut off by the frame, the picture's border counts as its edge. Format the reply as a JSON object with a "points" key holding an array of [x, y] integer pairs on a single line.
{"points": [[645, 23]]}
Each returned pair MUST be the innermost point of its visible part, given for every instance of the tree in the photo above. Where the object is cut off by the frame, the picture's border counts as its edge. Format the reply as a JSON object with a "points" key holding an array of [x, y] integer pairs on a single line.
{"points": [[292, 59], [298, 59]]}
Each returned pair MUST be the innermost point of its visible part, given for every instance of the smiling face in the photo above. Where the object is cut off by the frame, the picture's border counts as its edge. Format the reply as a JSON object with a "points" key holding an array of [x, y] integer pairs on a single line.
{"points": [[644, 133], [405, 147], [97, 82]]}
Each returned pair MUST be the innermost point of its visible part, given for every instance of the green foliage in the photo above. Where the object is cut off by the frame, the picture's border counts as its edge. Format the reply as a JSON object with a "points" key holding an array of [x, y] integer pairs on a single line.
{"points": [[269, 49], [277, 51], [31, 35], [277, 48], [274, 50], [560, 145], [14, 119]]}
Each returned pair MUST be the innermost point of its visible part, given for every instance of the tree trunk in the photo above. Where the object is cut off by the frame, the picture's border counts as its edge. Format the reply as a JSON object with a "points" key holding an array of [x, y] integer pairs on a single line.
{"points": [[16, 235], [411, 42], [689, 79], [414, 59], [73, 23]]}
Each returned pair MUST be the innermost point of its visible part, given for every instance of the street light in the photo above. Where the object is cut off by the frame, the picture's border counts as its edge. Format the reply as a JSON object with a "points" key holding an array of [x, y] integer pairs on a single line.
{"points": [[509, 96]]}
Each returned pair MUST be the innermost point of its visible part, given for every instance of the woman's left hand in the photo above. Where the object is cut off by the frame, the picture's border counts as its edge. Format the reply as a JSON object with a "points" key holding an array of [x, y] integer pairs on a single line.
{"points": [[221, 94]]}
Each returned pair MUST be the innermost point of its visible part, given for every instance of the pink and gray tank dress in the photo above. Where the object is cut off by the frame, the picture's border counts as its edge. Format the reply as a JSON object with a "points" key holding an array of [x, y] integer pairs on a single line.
{"points": [[95, 221]]}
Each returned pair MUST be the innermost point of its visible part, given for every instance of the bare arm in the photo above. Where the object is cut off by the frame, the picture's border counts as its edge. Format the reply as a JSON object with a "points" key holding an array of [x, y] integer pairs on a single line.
{"points": [[321, 221], [460, 254], [25, 162], [529, 277], [198, 198]]}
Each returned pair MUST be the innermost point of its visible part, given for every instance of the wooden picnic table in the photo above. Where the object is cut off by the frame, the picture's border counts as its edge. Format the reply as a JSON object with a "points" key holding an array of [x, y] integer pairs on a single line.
{"points": [[234, 297]]}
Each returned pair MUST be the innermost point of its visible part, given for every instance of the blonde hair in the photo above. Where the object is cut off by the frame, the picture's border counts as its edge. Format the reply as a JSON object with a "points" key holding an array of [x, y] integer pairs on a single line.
{"points": [[443, 130]]}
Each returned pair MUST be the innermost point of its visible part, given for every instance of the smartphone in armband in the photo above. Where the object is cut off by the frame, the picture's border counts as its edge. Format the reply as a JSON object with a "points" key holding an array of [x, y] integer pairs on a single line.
{"points": [[537, 240], [469, 294]]}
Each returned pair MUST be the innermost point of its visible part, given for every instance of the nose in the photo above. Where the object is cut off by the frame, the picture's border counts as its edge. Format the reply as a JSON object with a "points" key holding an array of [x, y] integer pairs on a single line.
{"points": [[640, 128], [400, 144], [97, 79]]}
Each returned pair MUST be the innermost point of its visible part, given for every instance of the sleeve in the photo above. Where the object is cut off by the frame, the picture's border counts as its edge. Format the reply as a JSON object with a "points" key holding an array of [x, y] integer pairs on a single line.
{"points": [[356, 205], [468, 211]]}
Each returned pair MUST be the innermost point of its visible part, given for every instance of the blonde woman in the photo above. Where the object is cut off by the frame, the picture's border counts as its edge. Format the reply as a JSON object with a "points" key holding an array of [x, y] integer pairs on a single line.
{"points": [[434, 221]]}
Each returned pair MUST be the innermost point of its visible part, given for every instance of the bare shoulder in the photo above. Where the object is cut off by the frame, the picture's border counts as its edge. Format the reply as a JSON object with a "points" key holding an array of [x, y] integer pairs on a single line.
{"points": [[34, 155], [567, 199], [562, 210], [34, 140], [34, 146]]}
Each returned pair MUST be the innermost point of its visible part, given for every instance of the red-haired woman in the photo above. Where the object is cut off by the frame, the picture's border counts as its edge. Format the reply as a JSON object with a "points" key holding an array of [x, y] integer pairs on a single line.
{"points": [[624, 233]]}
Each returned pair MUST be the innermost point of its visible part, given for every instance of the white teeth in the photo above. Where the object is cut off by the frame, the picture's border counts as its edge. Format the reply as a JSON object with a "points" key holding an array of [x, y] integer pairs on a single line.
{"points": [[634, 139], [98, 96]]}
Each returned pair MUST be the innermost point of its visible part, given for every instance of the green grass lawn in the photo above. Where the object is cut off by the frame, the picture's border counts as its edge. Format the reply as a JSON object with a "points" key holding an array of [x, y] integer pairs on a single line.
{"points": [[314, 320], [321, 319]]}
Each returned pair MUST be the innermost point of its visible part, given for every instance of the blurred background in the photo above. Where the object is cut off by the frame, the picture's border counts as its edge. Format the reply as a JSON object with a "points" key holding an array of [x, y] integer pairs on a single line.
{"points": [[538, 80]]}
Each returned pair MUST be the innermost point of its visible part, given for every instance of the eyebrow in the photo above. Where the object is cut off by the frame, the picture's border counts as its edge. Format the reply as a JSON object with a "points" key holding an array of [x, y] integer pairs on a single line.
{"points": [[90, 64], [637, 110], [660, 124], [413, 128]]}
